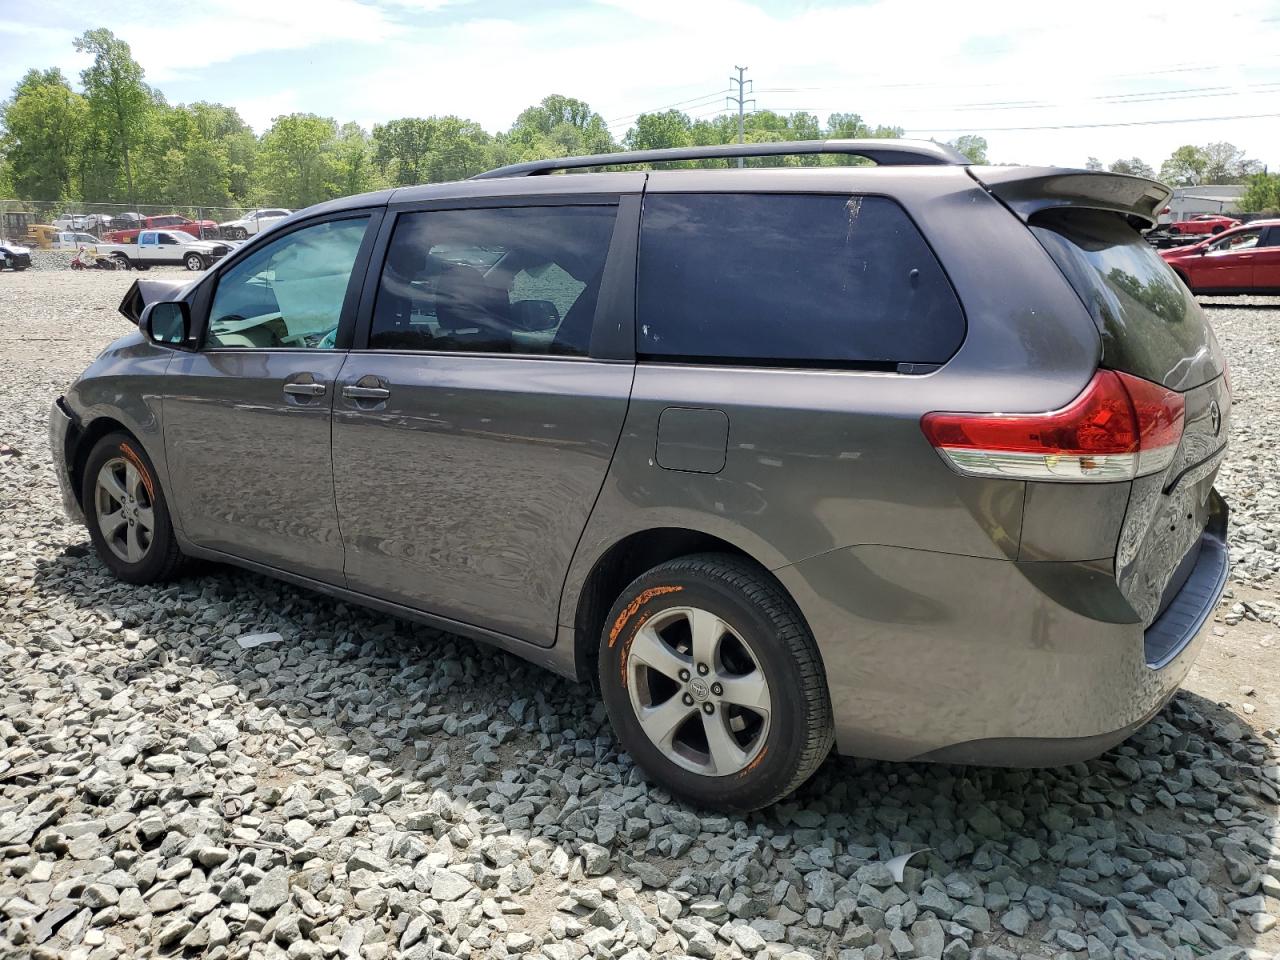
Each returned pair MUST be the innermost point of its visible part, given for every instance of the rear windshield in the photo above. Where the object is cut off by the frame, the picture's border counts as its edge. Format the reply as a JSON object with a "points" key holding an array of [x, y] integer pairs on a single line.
{"points": [[1151, 326]]}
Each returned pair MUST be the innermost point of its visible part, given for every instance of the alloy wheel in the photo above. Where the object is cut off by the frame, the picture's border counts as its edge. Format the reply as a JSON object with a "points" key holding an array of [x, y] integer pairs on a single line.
{"points": [[126, 517], [698, 691]]}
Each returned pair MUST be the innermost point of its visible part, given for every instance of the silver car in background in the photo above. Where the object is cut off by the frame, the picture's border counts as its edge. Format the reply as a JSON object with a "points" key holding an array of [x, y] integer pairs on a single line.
{"points": [[915, 459]]}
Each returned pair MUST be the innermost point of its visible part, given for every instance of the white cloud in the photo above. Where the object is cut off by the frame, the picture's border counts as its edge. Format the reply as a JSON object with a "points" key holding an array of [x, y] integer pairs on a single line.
{"points": [[174, 40], [259, 111], [918, 65], [933, 66]]}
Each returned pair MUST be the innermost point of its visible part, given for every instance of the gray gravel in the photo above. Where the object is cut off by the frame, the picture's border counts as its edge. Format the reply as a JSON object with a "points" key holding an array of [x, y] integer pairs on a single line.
{"points": [[369, 788]]}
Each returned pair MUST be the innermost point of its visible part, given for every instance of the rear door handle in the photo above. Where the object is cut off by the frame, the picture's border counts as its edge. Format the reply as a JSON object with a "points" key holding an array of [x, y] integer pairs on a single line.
{"points": [[356, 392], [305, 389]]}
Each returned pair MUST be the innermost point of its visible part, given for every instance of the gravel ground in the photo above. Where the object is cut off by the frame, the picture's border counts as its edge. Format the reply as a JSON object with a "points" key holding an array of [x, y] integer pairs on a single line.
{"points": [[369, 788]]}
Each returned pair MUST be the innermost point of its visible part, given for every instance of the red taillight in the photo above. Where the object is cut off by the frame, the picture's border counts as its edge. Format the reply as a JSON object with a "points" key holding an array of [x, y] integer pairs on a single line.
{"points": [[1119, 427]]}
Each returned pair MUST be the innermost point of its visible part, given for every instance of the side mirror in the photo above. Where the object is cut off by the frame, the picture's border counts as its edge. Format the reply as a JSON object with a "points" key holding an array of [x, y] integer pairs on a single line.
{"points": [[168, 324]]}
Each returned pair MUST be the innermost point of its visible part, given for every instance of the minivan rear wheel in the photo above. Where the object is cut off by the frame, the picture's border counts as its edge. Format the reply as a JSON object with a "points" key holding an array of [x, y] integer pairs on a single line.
{"points": [[126, 512], [714, 683]]}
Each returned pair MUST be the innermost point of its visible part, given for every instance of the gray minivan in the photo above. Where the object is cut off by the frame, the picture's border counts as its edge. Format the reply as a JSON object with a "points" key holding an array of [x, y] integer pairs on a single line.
{"points": [[914, 458]]}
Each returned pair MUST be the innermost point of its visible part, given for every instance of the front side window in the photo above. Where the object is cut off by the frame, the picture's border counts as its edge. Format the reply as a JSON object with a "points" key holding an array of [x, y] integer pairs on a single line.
{"points": [[290, 292], [168, 239], [495, 280], [790, 278], [1235, 242]]}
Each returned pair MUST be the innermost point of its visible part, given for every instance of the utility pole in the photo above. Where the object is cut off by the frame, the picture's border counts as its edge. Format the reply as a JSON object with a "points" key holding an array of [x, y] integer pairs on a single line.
{"points": [[744, 87]]}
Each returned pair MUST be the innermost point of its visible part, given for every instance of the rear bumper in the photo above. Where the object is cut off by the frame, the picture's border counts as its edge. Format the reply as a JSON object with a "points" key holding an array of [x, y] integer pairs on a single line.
{"points": [[60, 427], [965, 660]]}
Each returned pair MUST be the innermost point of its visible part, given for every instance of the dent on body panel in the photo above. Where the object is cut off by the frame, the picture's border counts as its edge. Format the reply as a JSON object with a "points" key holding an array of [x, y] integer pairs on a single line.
{"points": [[241, 450], [923, 650], [477, 481]]}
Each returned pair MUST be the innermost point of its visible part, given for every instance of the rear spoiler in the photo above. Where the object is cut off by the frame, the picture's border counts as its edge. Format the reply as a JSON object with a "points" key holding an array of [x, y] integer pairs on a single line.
{"points": [[1028, 190]]}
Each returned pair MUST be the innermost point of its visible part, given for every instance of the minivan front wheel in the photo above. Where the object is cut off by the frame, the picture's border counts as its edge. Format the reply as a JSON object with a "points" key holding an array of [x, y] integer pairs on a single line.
{"points": [[126, 512], [714, 684]]}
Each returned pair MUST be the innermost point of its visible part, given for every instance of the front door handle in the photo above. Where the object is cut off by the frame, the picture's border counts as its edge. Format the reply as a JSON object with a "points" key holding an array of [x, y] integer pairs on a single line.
{"points": [[357, 392], [305, 389]]}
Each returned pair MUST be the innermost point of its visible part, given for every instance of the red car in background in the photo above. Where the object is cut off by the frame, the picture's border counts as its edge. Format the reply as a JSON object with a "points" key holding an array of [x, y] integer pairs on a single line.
{"points": [[197, 228], [1203, 223], [1245, 259]]}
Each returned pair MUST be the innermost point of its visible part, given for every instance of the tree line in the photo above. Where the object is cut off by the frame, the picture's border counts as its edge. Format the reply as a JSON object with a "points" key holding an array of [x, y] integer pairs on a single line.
{"points": [[118, 140]]}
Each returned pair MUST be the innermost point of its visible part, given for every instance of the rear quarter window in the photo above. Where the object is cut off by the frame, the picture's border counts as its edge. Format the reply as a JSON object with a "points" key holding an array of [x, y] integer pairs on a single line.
{"points": [[1151, 325], [791, 279]]}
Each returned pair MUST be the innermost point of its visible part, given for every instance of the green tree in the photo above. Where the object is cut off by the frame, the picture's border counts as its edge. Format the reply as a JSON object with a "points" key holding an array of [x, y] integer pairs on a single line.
{"points": [[1227, 163], [402, 148], [559, 126], [295, 166], [972, 146], [1262, 194], [118, 98], [847, 126], [1093, 163], [44, 128], [353, 168], [657, 131], [1134, 166], [1185, 167], [224, 126], [460, 149]]}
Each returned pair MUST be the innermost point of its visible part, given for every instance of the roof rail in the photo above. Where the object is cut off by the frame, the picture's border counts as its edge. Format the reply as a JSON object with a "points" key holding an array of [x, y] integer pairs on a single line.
{"points": [[882, 152]]}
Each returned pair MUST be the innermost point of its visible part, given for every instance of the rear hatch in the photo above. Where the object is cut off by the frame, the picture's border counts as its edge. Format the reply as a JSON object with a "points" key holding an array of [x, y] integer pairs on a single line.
{"points": [[1152, 328]]}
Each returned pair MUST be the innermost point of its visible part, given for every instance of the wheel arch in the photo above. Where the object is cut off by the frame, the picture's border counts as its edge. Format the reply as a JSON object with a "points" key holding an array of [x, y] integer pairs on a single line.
{"points": [[624, 561], [82, 444]]}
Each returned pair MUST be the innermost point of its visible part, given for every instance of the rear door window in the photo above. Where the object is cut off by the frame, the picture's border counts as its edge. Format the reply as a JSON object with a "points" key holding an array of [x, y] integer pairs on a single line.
{"points": [[791, 279]]}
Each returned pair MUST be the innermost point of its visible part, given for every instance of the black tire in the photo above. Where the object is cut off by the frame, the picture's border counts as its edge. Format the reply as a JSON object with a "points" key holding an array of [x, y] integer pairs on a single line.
{"points": [[1174, 230], [800, 730], [163, 560], [195, 261], [122, 262], [239, 233]]}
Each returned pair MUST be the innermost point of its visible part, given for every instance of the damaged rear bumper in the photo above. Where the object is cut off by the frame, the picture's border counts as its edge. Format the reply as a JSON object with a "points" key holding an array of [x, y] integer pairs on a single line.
{"points": [[957, 659]]}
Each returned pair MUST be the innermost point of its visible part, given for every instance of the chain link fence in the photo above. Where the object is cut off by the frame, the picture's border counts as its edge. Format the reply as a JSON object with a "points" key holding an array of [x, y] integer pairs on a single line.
{"points": [[44, 224]]}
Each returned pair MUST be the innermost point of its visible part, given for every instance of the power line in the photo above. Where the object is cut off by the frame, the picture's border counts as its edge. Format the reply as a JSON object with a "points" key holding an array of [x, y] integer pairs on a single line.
{"points": [[1091, 126], [670, 106]]}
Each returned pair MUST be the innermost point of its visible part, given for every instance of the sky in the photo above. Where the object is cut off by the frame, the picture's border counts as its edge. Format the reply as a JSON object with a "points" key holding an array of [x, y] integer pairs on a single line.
{"points": [[1103, 78]]}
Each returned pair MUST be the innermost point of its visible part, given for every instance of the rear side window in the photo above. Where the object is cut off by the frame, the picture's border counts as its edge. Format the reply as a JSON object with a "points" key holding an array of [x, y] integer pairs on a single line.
{"points": [[1151, 326], [791, 278]]}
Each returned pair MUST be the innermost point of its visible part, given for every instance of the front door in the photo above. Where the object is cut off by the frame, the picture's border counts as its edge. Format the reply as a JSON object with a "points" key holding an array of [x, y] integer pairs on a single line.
{"points": [[472, 435], [247, 418], [1227, 264]]}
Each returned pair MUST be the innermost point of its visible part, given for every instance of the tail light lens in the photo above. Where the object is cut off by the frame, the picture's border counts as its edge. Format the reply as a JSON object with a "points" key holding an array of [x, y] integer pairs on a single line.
{"points": [[1118, 428]]}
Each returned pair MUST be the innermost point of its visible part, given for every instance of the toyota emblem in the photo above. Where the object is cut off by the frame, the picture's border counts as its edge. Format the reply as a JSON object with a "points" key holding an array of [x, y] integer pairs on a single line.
{"points": [[1215, 416]]}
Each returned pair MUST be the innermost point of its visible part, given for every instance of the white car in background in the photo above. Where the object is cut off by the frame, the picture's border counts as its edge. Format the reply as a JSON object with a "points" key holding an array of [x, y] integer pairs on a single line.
{"points": [[252, 223], [69, 240]]}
